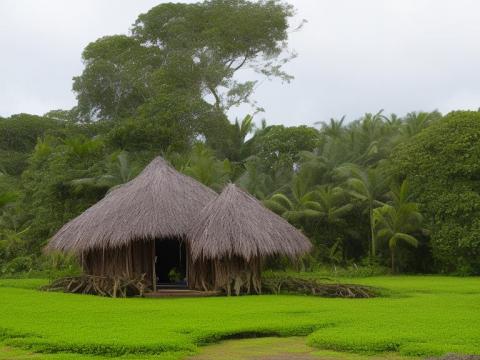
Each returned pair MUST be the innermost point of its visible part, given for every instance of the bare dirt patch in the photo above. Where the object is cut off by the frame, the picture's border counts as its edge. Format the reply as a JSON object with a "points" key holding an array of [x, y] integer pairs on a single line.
{"points": [[271, 348]]}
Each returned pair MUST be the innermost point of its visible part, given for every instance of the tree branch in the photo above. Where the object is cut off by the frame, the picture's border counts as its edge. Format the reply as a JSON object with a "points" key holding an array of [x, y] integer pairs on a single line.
{"points": [[215, 95], [242, 63]]}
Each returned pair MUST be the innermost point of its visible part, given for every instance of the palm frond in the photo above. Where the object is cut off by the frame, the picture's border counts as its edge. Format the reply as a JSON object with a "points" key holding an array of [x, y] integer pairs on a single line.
{"points": [[282, 200]]}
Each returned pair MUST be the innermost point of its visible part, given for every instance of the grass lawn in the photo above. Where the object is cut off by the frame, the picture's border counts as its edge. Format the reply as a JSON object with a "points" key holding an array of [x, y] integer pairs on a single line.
{"points": [[421, 316]]}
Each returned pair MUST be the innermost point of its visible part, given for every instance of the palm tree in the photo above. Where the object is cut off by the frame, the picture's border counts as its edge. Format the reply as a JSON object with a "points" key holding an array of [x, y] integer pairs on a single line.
{"points": [[244, 128], [396, 222], [301, 205], [82, 147], [333, 204], [119, 171], [204, 166], [327, 203], [367, 185], [333, 128], [320, 164], [369, 138], [415, 122], [239, 145], [254, 179], [322, 209], [393, 120]]}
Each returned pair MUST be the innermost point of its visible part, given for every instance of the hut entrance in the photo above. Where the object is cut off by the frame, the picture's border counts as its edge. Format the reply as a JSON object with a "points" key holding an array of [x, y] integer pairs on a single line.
{"points": [[170, 265]]}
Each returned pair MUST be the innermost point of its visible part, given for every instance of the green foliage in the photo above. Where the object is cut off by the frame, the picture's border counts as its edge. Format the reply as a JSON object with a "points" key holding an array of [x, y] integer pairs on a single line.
{"points": [[86, 325], [18, 137], [321, 213], [203, 166], [218, 38], [197, 47], [50, 198], [254, 179], [441, 165], [394, 223], [368, 186], [20, 132], [118, 170], [115, 79], [6, 199], [240, 131], [416, 122], [279, 146], [165, 89]]}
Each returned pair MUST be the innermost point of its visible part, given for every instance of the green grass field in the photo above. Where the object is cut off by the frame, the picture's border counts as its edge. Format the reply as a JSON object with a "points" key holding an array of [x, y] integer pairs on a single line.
{"points": [[420, 316]]}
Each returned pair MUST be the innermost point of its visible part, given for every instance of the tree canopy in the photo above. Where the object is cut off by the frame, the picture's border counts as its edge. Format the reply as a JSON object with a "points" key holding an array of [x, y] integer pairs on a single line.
{"points": [[442, 167], [194, 49]]}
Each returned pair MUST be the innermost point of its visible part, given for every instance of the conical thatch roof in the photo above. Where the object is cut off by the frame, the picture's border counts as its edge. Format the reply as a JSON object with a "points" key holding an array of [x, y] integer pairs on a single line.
{"points": [[237, 224], [160, 202]]}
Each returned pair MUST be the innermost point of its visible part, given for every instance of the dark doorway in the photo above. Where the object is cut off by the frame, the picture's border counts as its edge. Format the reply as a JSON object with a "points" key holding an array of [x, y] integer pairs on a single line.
{"points": [[170, 265]]}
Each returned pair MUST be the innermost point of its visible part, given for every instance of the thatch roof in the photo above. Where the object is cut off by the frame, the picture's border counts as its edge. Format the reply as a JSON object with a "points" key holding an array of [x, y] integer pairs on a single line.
{"points": [[160, 202], [237, 224]]}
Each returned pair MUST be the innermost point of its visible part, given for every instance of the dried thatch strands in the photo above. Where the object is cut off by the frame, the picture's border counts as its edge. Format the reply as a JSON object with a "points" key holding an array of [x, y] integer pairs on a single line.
{"points": [[232, 235], [229, 275], [130, 260], [100, 285], [237, 224], [277, 284], [160, 202]]}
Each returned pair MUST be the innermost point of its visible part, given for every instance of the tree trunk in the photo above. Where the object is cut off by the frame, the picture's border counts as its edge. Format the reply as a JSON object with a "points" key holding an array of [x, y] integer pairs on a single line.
{"points": [[392, 256], [373, 249]]}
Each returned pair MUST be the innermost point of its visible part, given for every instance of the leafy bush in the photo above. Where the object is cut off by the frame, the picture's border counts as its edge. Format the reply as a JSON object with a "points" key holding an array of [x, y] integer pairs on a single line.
{"points": [[18, 265], [442, 166]]}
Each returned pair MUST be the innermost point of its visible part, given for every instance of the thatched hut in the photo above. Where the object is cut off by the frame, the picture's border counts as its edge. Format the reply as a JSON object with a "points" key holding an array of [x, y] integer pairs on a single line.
{"points": [[232, 236], [139, 227], [170, 228]]}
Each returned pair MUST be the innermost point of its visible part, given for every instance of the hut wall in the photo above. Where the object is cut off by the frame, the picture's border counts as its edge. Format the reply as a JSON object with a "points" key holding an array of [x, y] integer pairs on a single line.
{"points": [[128, 261], [232, 275]]}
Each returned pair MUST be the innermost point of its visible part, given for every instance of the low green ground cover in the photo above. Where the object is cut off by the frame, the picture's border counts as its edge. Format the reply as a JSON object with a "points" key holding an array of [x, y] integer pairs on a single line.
{"points": [[420, 316]]}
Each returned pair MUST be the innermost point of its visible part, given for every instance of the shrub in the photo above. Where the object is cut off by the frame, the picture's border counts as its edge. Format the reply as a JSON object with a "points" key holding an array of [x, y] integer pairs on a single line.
{"points": [[18, 265], [442, 166]]}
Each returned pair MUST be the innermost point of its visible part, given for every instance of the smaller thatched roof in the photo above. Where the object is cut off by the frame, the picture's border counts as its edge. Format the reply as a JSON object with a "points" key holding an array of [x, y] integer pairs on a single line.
{"points": [[237, 224], [160, 202]]}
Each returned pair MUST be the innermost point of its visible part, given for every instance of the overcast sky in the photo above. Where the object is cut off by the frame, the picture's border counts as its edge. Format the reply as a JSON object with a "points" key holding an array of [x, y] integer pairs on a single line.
{"points": [[353, 56]]}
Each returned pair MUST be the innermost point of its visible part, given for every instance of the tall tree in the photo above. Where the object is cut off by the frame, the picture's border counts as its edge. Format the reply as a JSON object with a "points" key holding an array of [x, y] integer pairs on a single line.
{"points": [[369, 186], [396, 222], [220, 37], [197, 46]]}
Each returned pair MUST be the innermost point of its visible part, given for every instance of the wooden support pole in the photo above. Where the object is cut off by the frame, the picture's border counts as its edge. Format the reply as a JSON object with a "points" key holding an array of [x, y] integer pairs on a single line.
{"points": [[187, 264], [103, 261], [154, 279], [81, 261]]}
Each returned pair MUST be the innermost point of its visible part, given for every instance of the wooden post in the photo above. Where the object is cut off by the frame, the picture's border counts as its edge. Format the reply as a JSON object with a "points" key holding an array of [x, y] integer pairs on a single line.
{"points": [[127, 250], [187, 260], [103, 262], [154, 273]]}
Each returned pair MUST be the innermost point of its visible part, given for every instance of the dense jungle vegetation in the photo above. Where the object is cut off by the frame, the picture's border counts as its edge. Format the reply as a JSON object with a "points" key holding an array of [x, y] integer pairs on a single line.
{"points": [[400, 192]]}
